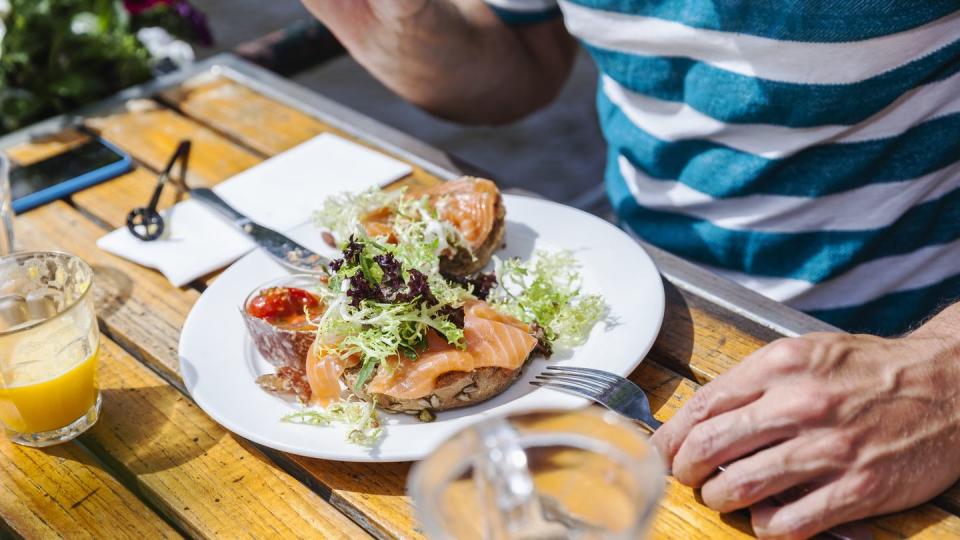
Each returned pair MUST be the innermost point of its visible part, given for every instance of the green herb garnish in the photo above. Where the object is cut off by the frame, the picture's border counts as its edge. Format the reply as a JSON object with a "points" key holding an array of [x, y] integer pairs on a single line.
{"points": [[383, 299], [359, 415], [546, 291]]}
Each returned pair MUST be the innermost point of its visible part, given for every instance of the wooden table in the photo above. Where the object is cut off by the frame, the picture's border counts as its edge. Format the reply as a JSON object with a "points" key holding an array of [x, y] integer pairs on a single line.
{"points": [[156, 466]]}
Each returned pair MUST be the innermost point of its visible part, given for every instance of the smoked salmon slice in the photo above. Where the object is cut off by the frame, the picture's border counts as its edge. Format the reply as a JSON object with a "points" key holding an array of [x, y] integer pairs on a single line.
{"points": [[469, 204], [324, 368], [493, 340]]}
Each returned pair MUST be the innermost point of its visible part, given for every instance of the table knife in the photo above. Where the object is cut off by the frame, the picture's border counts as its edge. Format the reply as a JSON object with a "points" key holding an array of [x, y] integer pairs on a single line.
{"points": [[282, 249]]}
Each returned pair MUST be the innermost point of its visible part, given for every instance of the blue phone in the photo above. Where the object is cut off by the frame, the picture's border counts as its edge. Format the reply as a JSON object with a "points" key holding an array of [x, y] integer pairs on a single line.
{"points": [[63, 174]]}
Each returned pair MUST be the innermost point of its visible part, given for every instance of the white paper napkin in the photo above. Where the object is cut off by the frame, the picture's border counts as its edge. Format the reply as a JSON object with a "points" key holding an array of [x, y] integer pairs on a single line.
{"points": [[279, 193]]}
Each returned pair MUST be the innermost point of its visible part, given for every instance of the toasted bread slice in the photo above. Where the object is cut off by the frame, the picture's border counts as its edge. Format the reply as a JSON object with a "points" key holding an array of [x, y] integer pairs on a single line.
{"points": [[453, 390]]}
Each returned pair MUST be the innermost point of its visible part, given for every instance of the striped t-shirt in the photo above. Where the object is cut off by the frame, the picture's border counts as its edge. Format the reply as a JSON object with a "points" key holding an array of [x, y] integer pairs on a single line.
{"points": [[807, 149]]}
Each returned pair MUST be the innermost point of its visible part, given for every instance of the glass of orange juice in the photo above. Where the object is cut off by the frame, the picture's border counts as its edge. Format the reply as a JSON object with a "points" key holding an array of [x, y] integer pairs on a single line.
{"points": [[48, 348]]}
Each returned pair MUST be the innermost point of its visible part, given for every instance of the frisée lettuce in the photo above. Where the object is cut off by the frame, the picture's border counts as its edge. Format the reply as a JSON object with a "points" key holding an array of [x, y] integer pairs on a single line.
{"points": [[383, 298], [546, 290], [418, 232], [386, 293], [360, 416]]}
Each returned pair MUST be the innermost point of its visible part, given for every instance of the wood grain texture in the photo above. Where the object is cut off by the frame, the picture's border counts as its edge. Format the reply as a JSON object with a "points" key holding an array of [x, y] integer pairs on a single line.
{"points": [[212, 484], [138, 307], [148, 428], [228, 107], [698, 340], [62, 492], [214, 101], [150, 133], [46, 146]]}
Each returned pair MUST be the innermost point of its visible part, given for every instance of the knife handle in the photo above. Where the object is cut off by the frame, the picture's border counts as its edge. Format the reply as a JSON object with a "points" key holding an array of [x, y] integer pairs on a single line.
{"points": [[212, 199]]}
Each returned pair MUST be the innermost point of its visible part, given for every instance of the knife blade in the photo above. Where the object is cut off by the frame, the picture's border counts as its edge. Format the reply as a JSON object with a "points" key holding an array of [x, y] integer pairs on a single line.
{"points": [[282, 249]]}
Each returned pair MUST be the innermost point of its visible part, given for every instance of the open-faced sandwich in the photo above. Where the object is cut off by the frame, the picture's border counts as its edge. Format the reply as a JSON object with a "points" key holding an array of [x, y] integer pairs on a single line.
{"points": [[409, 339], [393, 327], [465, 216]]}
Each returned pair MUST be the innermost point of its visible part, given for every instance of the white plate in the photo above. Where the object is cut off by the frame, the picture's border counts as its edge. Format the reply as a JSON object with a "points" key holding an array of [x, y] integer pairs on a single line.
{"points": [[219, 362]]}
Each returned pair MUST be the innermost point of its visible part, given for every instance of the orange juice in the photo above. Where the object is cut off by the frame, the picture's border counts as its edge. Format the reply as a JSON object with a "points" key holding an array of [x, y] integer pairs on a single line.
{"points": [[44, 405]]}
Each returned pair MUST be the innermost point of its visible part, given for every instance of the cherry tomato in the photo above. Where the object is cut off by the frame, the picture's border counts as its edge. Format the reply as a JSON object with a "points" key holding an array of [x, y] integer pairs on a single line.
{"points": [[281, 302]]}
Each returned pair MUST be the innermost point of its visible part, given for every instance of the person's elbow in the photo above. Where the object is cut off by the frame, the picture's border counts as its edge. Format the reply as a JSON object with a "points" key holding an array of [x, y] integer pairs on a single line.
{"points": [[495, 108], [502, 94]]}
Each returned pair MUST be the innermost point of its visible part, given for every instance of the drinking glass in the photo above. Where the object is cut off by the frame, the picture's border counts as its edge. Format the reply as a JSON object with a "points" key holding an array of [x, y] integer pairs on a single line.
{"points": [[541, 475], [6, 208], [49, 344]]}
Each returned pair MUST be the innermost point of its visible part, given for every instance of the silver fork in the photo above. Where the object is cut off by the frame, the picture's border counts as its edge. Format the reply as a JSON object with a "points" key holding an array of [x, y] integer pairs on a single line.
{"points": [[612, 391], [626, 398]]}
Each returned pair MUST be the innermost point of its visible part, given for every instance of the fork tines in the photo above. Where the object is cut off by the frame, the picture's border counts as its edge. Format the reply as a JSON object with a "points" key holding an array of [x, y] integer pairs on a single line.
{"points": [[610, 390], [586, 382], [587, 372]]}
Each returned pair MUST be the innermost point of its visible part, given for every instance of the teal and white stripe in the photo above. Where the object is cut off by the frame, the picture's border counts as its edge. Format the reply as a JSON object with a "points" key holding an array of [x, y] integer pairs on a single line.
{"points": [[809, 152]]}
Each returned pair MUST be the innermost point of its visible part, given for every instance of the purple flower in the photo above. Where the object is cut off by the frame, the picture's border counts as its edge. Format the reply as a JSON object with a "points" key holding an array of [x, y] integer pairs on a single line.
{"points": [[192, 18], [196, 19], [135, 7]]}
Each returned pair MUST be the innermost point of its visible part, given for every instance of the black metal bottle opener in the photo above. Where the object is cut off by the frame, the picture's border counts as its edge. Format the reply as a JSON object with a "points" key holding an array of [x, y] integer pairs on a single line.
{"points": [[145, 222]]}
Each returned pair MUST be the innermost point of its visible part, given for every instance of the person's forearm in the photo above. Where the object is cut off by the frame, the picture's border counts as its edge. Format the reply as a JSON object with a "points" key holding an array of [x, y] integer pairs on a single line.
{"points": [[453, 58]]}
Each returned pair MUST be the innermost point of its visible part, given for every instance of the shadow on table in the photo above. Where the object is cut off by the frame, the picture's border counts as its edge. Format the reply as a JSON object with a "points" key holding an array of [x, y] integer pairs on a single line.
{"points": [[674, 346], [324, 476], [149, 429], [112, 289]]}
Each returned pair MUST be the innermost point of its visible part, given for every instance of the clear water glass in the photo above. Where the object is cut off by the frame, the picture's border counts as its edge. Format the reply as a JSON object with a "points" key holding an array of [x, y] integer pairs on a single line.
{"points": [[540, 476], [6, 208], [49, 346]]}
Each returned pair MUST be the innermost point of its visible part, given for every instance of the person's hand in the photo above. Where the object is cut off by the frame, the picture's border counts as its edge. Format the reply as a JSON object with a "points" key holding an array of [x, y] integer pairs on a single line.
{"points": [[852, 425]]}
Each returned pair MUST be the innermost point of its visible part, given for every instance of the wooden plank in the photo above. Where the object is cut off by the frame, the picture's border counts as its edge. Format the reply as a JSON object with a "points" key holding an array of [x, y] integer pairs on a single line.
{"points": [[228, 107], [46, 146], [700, 340], [150, 133], [211, 483], [61, 491], [212, 101], [148, 428], [137, 306]]}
